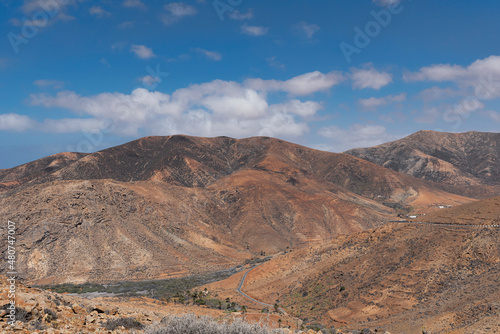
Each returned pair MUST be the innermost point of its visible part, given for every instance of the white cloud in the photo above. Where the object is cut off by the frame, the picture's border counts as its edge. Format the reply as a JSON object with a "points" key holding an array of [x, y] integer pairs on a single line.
{"points": [[297, 107], [368, 77], [15, 122], [175, 11], [213, 108], [31, 6], [308, 29], [437, 93], [142, 51], [214, 55], [55, 84], [358, 135], [482, 75], [304, 84], [254, 30], [134, 4], [98, 12], [443, 72], [373, 102], [126, 25], [237, 15]]}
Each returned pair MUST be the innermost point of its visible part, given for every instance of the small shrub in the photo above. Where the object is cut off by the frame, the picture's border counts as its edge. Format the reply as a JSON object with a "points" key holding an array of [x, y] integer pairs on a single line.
{"points": [[21, 314], [37, 325], [128, 323], [52, 314]]}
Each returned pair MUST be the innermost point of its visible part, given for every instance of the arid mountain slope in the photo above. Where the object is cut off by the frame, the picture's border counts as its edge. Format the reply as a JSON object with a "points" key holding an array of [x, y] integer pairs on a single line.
{"points": [[485, 212], [14, 177], [164, 206], [469, 159], [399, 277]]}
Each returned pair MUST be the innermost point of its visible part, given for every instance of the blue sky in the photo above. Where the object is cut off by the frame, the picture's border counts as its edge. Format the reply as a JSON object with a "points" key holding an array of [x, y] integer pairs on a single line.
{"points": [[83, 75]]}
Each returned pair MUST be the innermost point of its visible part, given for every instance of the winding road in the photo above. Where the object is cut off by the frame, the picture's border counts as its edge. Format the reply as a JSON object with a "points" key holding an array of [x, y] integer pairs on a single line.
{"points": [[251, 298], [244, 294]]}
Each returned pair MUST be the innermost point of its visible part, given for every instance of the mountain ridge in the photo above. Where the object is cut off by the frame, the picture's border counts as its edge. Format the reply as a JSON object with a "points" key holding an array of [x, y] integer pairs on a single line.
{"points": [[163, 206]]}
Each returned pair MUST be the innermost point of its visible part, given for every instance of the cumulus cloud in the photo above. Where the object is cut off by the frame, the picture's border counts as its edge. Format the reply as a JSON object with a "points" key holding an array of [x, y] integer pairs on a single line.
{"points": [[309, 29], [142, 51], [208, 109], [358, 135], [368, 77], [15, 122], [482, 75], [304, 84], [254, 30], [175, 11], [374, 103], [213, 55]]}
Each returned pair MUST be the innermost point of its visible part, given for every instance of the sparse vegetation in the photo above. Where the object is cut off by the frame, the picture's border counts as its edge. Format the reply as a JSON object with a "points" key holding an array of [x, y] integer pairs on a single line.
{"points": [[158, 289], [128, 323], [21, 314], [51, 315], [191, 324]]}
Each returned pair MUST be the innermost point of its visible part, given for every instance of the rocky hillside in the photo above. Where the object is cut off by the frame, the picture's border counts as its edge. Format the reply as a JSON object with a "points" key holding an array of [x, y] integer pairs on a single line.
{"points": [[169, 206], [469, 160], [399, 277], [486, 212]]}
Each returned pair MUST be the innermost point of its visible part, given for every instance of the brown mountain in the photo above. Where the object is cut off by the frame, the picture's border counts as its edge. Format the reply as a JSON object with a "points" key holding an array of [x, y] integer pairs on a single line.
{"points": [[469, 161], [165, 206], [398, 278]]}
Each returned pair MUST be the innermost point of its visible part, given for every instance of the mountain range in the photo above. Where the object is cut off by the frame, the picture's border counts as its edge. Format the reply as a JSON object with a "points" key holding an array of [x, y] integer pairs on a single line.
{"points": [[168, 206]]}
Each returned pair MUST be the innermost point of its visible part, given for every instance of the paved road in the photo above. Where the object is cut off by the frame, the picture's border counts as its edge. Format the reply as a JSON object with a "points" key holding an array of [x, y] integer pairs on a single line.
{"points": [[250, 298], [244, 294]]}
